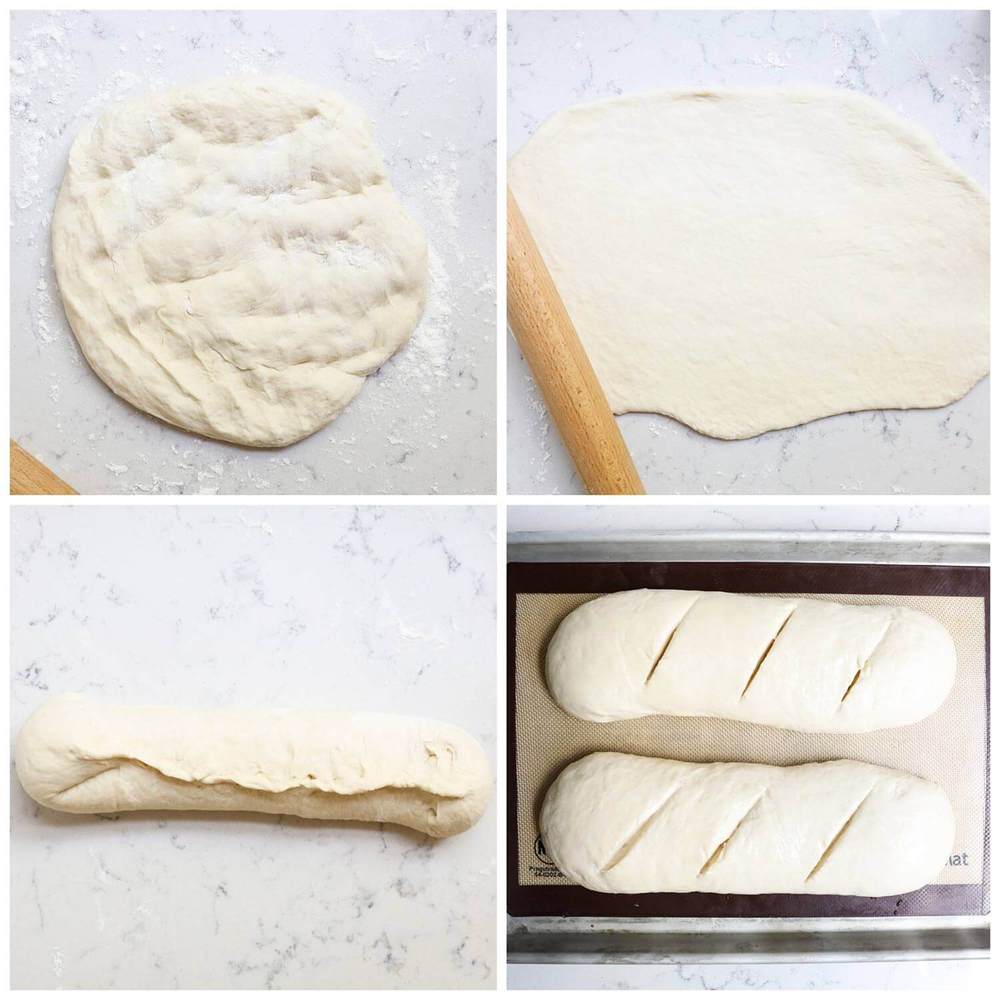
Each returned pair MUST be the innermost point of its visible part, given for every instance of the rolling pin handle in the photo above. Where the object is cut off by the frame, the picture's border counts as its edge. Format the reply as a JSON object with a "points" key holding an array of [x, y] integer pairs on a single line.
{"points": [[549, 342]]}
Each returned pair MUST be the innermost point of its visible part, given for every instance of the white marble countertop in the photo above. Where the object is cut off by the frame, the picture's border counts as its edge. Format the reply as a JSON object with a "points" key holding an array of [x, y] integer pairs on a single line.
{"points": [[944, 975], [594, 520], [389, 609], [930, 67], [425, 423]]}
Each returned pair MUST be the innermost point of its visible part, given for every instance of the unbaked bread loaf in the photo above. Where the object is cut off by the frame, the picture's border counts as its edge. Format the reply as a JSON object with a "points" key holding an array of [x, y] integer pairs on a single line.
{"points": [[813, 666], [78, 756], [618, 823]]}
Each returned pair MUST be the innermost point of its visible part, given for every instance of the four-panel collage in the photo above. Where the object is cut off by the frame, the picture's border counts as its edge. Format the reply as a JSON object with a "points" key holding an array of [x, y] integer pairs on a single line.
{"points": [[499, 499]]}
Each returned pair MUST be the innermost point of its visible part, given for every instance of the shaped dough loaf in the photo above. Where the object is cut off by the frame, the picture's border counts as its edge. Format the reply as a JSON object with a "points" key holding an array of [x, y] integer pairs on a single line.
{"points": [[618, 823], [813, 666], [77, 756]]}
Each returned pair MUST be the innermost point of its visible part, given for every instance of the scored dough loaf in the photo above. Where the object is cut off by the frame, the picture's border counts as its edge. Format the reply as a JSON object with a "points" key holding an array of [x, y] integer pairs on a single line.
{"points": [[78, 756], [813, 666], [618, 823]]}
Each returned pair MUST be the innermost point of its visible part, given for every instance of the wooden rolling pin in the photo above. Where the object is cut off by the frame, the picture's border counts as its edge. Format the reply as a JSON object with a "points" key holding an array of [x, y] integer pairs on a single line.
{"points": [[29, 476], [550, 344]]}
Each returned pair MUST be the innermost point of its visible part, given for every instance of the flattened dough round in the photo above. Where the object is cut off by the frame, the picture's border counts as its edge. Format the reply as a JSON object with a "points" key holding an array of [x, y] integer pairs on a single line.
{"points": [[233, 259], [749, 260]]}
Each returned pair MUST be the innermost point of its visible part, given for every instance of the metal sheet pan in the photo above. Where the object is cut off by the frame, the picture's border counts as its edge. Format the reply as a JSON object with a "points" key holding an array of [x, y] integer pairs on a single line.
{"points": [[547, 939]]}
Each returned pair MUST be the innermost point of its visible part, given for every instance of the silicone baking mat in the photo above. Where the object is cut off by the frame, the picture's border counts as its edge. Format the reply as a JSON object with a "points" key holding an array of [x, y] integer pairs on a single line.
{"points": [[950, 747]]}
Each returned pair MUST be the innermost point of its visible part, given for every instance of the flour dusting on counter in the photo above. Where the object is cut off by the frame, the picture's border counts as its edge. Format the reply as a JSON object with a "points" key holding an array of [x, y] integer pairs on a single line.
{"points": [[425, 421]]}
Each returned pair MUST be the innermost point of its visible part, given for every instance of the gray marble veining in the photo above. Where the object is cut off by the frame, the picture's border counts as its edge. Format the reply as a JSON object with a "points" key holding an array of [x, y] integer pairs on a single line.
{"points": [[944, 975], [596, 520], [930, 67], [379, 609]]}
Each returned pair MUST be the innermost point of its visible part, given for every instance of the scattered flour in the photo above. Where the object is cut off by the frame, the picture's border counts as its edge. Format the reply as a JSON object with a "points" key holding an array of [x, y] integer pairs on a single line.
{"points": [[67, 66], [975, 108]]}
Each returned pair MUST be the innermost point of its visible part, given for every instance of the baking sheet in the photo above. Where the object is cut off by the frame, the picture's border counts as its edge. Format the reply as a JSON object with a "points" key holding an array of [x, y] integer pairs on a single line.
{"points": [[545, 739]]}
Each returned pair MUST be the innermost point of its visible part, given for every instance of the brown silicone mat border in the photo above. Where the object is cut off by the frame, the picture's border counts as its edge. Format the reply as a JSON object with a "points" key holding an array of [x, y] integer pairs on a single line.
{"points": [[748, 578]]}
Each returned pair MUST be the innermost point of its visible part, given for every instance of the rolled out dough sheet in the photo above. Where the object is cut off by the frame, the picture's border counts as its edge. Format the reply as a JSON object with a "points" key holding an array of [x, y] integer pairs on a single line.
{"points": [[750, 260]]}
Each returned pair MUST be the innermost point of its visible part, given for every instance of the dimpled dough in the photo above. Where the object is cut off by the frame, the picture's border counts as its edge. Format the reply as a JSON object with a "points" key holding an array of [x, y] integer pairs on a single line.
{"points": [[750, 260], [233, 259]]}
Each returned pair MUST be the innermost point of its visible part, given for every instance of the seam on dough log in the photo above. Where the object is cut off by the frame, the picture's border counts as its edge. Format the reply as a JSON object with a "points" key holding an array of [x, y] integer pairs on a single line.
{"points": [[767, 652], [116, 763], [670, 639], [825, 856], [718, 852]]}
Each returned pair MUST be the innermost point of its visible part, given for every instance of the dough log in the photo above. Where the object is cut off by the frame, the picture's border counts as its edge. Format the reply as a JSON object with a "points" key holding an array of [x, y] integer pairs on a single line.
{"points": [[812, 666], [77, 756], [617, 823]]}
